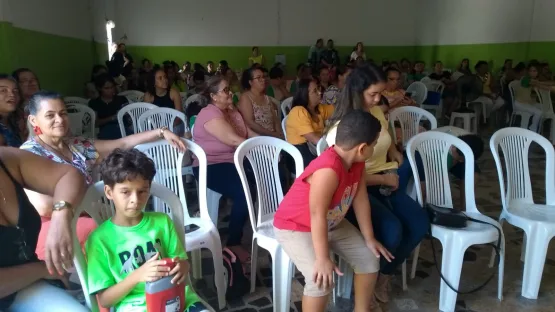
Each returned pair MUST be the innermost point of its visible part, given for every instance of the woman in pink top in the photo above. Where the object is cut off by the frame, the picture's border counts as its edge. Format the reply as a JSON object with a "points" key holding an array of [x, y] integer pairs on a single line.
{"points": [[219, 129]]}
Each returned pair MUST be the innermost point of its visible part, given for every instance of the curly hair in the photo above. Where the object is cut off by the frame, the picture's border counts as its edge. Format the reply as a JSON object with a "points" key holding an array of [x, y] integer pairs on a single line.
{"points": [[125, 165]]}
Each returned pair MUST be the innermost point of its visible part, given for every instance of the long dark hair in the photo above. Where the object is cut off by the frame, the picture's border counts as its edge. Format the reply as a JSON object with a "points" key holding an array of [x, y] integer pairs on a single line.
{"points": [[465, 70], [351, 97], [17, 115], [151, 80], [301, 97]]}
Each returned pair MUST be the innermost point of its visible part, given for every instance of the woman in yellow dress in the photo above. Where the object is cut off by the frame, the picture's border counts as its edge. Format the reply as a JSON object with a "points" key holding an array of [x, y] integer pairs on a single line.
{"points": [[256, 57]]}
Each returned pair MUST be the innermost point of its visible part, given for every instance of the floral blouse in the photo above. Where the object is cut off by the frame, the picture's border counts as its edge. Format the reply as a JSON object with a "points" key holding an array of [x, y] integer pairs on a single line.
{"points": [[82, 149]]}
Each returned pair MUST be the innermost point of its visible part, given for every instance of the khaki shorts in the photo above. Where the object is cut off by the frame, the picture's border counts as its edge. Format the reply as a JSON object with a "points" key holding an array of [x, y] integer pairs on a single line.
{"points": [[344, 240]]}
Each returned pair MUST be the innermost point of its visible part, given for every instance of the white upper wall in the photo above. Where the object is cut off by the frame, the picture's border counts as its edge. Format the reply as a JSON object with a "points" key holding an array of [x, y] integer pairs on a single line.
{"points": [[69, 18], [474, 21], [543, 26], [263, 23]]}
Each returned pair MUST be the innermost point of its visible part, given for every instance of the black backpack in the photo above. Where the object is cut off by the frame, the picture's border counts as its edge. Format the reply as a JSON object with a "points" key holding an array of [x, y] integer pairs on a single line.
{"points": [[237, 283]]}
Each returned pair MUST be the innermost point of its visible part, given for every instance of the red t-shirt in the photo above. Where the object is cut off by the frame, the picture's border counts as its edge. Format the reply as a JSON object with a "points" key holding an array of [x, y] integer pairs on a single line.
{"points": [[294, 211]]}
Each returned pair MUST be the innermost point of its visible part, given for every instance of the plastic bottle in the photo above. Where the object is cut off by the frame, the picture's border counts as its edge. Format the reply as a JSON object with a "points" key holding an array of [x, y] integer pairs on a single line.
{"points": [[163, 296]]}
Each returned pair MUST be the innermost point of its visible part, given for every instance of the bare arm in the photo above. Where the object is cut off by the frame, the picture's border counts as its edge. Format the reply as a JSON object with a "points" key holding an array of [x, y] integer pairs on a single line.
{"points": [[176, 98], [323, 184], [223, 131], [148, 98], [110, 296], [374, 179], [312, 137], [361, 207], [17, 277], [246, 110]]}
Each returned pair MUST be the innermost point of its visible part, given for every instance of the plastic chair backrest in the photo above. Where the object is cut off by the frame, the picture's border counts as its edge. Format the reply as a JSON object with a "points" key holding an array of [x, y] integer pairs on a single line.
{"points": [[88, 118], [545, 100], [434, 148], [195, 97], [76, 123], [263, 154], [134, 111], [168, 172], [435, 85], [161, 117], [321, 146], [283, 127], [76, 100], [133, 96], [101, 209], [512, 86], [286, 106], [515, 145], [409, 117], [419, 92]]}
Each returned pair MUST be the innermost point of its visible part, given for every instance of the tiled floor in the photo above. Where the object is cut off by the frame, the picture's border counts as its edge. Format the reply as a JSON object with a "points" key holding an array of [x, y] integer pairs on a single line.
{"points": [[423, 291]]}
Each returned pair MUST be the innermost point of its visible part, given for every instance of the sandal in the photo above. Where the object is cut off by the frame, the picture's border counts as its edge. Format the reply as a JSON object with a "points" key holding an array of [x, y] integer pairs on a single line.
{"points": [[245, 258]]}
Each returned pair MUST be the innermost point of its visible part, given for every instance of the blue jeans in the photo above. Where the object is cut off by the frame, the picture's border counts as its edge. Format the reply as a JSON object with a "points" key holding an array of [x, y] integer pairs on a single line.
{"points": [[41, 296], [399, 224], [224, 179], [405, 171]]}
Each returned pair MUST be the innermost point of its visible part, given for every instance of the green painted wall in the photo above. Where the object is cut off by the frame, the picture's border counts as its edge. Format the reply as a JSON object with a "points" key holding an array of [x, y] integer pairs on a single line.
{"points": [[62, 64]]}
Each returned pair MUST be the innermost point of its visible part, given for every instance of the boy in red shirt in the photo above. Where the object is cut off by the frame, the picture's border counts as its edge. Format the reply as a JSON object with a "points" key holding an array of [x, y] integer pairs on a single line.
{"points": [[310, 219]]}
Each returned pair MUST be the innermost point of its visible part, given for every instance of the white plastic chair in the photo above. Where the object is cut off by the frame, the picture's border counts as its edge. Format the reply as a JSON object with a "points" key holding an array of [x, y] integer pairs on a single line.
{"points": [[286, 106], [87, 116], [263, 154], [434, 148], [134, 111], [548, 114], [321, 146], [101, 209], [183, 98], [283, 127], [519, 208], [524, 116], [160, 117], [133, 96], [76, 100], [168, 160], [419, 92], [192, 98], [410, 117]]}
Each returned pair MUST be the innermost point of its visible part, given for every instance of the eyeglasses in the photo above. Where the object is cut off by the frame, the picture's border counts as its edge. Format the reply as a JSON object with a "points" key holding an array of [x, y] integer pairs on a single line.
{"points": [[259, 78], [225, 90]]}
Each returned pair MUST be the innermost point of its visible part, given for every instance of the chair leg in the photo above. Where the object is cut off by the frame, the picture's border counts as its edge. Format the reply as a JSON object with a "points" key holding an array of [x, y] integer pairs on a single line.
{"points": [[451, 266], [196, 259], [536, 251], [492, 259], [404, 275], [282, 272], [254, 262], [345, 281], [501, 271], [415, 261], [219, 280]]}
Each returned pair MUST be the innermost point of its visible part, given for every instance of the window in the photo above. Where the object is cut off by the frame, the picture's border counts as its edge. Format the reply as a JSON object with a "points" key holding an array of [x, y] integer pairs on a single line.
{"points": [[111, 45]]}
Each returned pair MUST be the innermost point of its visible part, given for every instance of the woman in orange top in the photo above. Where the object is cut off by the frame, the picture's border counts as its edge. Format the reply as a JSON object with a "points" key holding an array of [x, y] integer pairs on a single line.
{"points": [[305, 123]]}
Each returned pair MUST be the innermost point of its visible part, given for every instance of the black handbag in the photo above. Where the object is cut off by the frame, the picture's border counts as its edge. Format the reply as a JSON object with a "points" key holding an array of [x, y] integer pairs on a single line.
{"points": [[446, 217], [457, 219]]}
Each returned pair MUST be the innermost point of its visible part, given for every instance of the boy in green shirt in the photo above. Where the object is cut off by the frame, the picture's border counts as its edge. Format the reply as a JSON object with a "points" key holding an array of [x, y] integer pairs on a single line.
{"points": [[124, 252]]}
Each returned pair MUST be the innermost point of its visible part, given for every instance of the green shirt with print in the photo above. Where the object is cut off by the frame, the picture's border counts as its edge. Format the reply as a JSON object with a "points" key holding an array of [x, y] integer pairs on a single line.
{"points": [[113, 252]]}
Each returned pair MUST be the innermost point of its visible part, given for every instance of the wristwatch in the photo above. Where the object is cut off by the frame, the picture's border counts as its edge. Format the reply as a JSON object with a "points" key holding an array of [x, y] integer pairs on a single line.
{"points": [[162, 130], [61, 205]]}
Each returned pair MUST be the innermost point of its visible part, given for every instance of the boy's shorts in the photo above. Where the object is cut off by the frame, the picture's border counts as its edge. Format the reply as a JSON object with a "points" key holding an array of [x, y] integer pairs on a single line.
{"points": [[344, 240]]}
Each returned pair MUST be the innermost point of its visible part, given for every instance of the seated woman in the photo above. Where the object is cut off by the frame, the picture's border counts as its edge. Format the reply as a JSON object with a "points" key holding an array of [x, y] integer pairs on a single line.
{"points": [[234, 83], [28, 283], [332, 92], [49, 119], [323, 79], [303, 72], [278, 85], [490, 98], [462, 69], [417, 72], [174, 79], [107, 106], [13, 128], [523, 96], [160, 93], [258, 111], [398, 221], [358, 51], [219, 129], [91, 92], [27, 83], [449, 91], [305, 123], [393, 91], [198, 79]]}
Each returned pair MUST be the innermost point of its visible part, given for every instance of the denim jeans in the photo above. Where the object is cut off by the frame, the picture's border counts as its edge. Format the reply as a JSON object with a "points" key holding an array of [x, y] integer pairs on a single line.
{"points": [[399, 223], [41, 296]]}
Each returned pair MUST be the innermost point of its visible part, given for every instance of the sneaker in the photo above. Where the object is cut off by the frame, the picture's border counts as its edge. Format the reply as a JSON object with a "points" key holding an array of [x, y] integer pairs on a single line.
{"points": [[383, 287]]}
